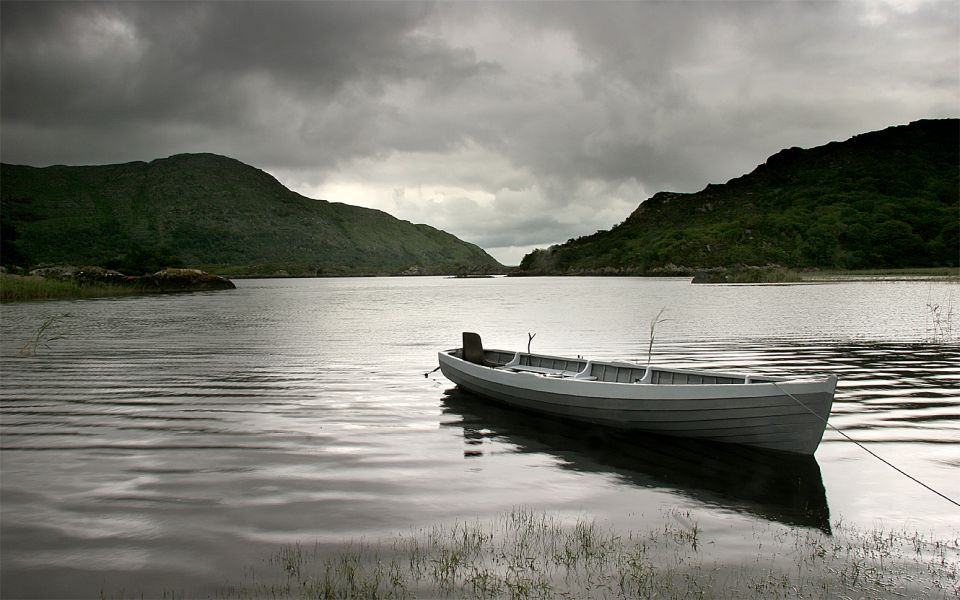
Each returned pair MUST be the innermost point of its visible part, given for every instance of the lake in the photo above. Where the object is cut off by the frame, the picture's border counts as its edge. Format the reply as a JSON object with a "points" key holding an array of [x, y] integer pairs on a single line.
{"points": [[168, 443]]}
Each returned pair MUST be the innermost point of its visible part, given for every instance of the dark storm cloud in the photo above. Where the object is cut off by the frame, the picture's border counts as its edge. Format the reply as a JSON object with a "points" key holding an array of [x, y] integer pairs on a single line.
{"points": [[693, 92], [169, 57], [222, 68], [526, 123]]}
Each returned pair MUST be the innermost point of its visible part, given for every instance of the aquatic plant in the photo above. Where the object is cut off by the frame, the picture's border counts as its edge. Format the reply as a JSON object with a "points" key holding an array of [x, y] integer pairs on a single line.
{"points": [[940, 318], [44, 334], [18, 288], [653, 327], [526, 554]]}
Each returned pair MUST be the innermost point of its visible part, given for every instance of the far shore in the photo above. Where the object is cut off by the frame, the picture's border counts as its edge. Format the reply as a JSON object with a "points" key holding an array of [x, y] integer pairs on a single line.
{"points": [[21, 288], [769, 274], [812, 275], [778, 275]]}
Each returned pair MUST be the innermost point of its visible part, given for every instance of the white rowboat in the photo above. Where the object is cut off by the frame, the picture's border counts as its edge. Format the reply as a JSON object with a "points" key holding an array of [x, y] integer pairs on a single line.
{"points": [[787, 414]]}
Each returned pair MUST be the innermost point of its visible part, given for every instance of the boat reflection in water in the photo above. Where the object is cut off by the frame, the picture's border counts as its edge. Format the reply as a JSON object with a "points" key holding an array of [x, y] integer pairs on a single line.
{"points": [[776, 486]]}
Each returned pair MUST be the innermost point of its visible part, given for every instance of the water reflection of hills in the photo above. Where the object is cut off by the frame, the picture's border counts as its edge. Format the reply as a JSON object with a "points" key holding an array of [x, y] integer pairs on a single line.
{"points": [[772, 485]]}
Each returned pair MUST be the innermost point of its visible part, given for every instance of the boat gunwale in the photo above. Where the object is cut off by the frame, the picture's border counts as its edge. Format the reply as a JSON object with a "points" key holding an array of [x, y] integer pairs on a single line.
{"points": [[763, 380]]}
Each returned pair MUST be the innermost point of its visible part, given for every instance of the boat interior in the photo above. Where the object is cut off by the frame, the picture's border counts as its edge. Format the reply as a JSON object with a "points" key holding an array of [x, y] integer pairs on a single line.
{"points": [[589, 370]]}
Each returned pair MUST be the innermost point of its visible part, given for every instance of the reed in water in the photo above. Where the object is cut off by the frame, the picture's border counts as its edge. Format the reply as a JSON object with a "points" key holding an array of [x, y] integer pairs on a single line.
{"points": [[528, 554]]}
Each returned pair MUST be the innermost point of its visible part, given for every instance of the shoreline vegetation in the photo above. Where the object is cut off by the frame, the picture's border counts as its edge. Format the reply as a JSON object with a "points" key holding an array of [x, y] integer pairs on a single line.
{"points": [[22, 288], [782, 275], [526, 554], [764, 274], [67, 283]]}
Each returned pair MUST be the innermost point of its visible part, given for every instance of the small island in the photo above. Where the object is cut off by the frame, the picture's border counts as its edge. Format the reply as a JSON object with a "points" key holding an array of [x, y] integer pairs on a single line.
{"points": [[92, 281]]}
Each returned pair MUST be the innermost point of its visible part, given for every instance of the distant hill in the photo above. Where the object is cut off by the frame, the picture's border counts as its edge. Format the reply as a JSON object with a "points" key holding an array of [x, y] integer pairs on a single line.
{"points": [[885, 199], [212, 212]]}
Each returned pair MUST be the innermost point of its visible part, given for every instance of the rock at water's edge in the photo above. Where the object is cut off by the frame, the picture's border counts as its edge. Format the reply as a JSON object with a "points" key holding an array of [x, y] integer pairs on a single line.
{"points": [[183, 280], [82, 275], [166, 280]]}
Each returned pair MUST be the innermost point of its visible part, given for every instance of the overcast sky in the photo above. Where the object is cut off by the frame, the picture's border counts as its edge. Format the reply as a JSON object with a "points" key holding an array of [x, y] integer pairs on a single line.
{"points": [[511, 125]]}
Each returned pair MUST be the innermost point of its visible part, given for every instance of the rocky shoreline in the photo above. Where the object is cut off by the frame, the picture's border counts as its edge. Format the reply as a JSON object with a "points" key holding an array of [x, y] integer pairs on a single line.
{"points": [[161, 282]]}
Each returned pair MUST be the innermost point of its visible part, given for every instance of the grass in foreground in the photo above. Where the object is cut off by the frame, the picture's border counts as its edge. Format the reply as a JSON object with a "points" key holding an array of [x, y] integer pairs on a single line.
{"points": [[533, 555], [18, 288]]}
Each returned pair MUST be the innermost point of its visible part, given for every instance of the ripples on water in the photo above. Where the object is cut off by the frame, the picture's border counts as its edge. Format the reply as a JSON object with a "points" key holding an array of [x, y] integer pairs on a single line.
{"points": [[888, 392], [176, 438]]}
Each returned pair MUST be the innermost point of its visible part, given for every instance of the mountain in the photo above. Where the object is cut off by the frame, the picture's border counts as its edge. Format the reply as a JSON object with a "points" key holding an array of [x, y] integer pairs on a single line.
{"points": [[889, 198], [212, 212]]}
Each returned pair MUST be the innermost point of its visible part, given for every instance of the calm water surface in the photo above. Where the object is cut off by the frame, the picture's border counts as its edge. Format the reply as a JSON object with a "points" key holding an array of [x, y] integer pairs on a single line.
{"points": [[166, 443]]}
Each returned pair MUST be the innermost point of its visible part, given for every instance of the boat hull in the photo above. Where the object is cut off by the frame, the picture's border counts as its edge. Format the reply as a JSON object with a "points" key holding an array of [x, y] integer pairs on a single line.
{"points": [[788, 415]]}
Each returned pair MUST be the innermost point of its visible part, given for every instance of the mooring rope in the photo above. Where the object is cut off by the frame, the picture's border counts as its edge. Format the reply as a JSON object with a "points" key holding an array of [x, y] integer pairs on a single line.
{"points": [[869, 451]]}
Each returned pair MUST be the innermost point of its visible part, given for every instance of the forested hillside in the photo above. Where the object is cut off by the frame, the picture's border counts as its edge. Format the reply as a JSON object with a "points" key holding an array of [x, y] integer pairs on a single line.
{"points": [[885, 199], [208, 211]]}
